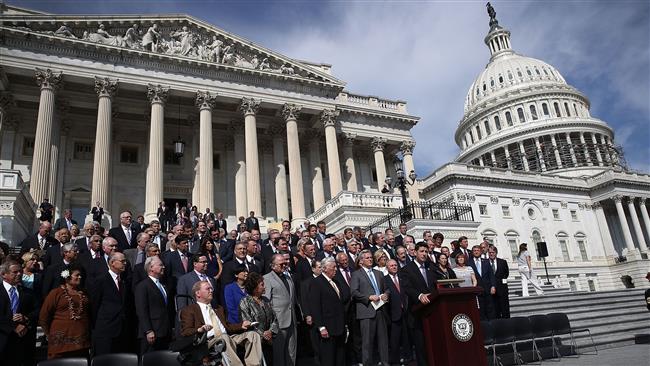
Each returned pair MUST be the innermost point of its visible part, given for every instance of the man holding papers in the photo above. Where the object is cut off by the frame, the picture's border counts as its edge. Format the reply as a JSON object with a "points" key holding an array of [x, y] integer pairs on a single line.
{"points": [[369, 293]]}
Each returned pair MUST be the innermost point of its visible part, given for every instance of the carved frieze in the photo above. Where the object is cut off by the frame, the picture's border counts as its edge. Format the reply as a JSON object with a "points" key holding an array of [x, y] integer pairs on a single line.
{"points": [[564, 204], [494, 200], [516, 201], [180, 37], [545, 203]]}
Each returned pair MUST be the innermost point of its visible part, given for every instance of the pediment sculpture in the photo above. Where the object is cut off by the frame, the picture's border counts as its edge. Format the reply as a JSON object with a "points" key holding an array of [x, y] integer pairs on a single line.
{"points": [[191, 41]]}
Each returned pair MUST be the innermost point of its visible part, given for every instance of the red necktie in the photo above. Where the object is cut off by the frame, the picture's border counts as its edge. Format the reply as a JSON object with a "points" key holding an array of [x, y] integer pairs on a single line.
{"points": [[347, 276], [117, 282], [396, 283]]}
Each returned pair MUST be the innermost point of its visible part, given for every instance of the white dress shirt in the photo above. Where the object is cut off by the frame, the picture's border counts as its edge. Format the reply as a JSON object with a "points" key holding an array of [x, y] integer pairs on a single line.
{"points": [[205, 311]]}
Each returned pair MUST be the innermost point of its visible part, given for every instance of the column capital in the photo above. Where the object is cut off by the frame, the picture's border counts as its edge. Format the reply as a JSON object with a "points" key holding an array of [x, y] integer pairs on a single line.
{"points": [[642, 200], [157, 93], [328, 117], [249, 106], [349, 138], [378, 144], [48, 79], [407, 147], [205, 100], [105, 87], [291, 111], [617, 198], [596, 205]]}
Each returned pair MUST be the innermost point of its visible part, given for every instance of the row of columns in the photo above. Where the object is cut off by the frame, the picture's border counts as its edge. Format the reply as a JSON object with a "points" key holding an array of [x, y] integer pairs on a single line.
{"points": [[247, 171], [627, 234]]}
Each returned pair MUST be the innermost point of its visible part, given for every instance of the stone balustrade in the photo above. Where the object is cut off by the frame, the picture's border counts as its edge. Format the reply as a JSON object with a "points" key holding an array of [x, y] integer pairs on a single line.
{"points": [[381, 203], [372, 102], [17, 209]]}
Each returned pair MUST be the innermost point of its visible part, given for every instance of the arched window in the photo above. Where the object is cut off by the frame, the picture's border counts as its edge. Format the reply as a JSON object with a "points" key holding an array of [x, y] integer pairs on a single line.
{"points": [[556, 106], [566, 108], [581, 241], [528, 72], [492, 83], [545, 109], [533, 112], [509, 118], [563, 240], [520, 114], [490, 235], [500, 79], [509, 75], [478, 132], [575, 109], [536, 237], [497, 123], [487, 127]]}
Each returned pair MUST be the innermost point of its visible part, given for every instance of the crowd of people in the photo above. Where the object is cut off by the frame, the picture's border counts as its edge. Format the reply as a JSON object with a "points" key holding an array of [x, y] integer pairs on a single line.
{"points": [[138, 288]]}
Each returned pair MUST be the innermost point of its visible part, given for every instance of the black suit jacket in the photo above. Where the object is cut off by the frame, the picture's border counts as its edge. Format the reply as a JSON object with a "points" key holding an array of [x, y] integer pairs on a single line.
{"points": [[28, 307], [326, 307], [397, 299], [112, 309], [118, 234], [502, 273], [139, 275], [228, 271], [152, 309], [31, 242], [52, 277], [221, 224], [174, 266], [413, 282], [52, 254], [97, 267], [97, 213], [459, 251], [82, 244], [252, 223], [303, 269], [61, 224]]}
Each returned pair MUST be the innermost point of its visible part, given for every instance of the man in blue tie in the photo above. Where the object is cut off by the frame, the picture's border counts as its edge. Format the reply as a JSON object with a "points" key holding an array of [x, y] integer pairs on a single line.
{"points": [[367, 287], [153, 307], [18, 315]]}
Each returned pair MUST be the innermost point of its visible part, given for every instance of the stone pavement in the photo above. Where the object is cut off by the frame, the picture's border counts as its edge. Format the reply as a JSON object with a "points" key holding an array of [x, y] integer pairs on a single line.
{"points": [[633, 355]]}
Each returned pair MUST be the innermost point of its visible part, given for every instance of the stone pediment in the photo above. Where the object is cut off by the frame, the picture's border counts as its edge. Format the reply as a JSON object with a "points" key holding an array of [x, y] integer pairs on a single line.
{"points": [[179, 38]]}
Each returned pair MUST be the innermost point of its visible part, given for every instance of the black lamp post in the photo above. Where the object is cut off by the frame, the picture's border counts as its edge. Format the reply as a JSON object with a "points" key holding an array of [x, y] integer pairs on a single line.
{"points": [[179, 144], [400, 183]]}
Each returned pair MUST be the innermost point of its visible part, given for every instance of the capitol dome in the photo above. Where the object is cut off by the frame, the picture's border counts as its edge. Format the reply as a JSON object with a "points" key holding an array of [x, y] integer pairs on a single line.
{"points": [[521, 114]]}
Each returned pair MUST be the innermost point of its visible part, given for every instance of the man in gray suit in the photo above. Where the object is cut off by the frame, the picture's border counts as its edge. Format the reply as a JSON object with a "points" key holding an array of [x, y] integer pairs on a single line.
{"points": [[281, 292], [138, 254], [186, 281], [367, 287]]}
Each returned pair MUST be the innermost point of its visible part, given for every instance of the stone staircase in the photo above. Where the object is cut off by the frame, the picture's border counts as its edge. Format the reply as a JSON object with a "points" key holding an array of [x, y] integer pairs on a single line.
{"points": [[615, 318]]}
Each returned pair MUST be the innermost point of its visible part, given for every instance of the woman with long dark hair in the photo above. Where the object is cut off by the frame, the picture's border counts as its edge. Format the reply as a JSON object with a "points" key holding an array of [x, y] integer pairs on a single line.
{"points": [[65, 316], [208, 249], [443, 271]]}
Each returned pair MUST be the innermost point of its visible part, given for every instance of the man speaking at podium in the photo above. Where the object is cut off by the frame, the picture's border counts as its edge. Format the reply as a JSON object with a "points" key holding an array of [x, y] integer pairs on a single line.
{"points": [[418, 281]]}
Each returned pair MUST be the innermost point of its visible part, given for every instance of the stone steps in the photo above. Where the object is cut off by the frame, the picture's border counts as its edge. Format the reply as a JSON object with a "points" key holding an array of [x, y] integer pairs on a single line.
{"points": [[613, 317]]}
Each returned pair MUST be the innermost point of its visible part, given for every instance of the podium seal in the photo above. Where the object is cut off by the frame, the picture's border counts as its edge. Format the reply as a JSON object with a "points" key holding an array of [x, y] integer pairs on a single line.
{"points": [[462, 327]]}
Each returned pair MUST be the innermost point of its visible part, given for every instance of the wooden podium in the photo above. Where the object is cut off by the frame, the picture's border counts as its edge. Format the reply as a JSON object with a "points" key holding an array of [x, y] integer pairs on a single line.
{"points": [[452, 327]]}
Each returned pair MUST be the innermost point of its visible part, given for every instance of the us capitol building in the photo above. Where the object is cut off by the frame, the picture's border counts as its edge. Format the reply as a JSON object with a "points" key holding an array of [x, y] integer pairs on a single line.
{"points": [[132, 110]]}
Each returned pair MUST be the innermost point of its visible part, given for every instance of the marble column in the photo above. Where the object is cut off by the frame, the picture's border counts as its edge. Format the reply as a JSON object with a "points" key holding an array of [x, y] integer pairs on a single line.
{"points": [[49, 82], [506, 152], [241, 196], [249, 107], [328, 117], [350, 168], [637, 225], [281, 196], [556, 151], [599, 157], [157, 95], [318, 191], [61, 110], [106, 89], [572, 151], [540, 154], [378, 144], [407, 156], [585, 149], [290, 113], [205, 101], [624, 226], [524, 158], [606, 236], [644, 214], [63, 146], [603, 143]]}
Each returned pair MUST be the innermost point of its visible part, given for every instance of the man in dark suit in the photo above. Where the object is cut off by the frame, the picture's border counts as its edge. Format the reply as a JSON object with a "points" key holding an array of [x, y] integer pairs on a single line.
{"points": [[124, 233], [201, 232], [39, 241], [462, 248], [220, 222], [97, 266], [83, 243], [98, 212], [486, 280], [113, 314], [400, 238], [252, 222], [153, 306], [321, 227], [53, 252], [177, 262], [327, 307], [343, 278], [418, 281], [399, 345], [18, 317], [64, 222], [139, 274], [328, 249], [198, 273], [139, 225], [501, 273], [228, 271], [47, 210], [304, 299], [367, 286], [303, 267], [52, 275]]}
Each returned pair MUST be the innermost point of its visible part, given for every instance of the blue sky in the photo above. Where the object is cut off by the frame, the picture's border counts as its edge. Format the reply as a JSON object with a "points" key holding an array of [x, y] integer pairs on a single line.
{"points": [[429, 52]]}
